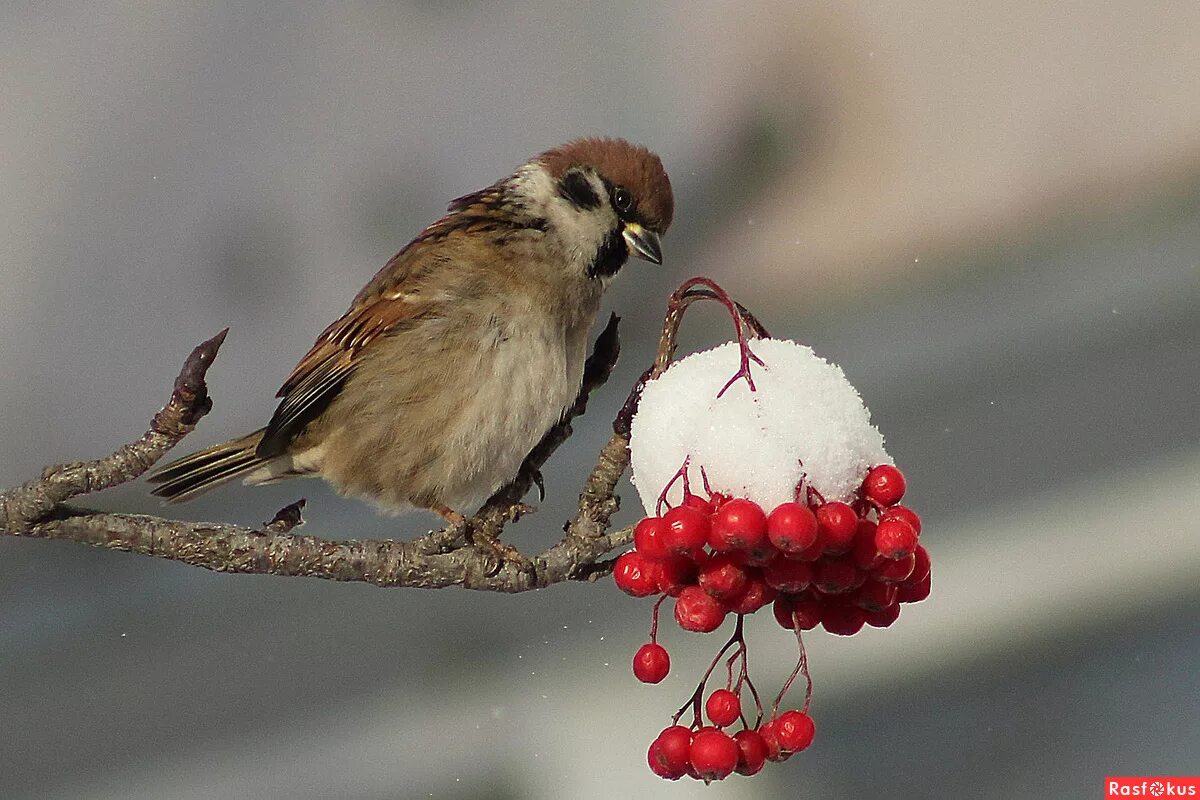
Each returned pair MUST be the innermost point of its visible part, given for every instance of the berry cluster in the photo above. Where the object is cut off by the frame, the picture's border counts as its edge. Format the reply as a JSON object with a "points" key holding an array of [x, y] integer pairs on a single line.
{"points": [[834, 564]]}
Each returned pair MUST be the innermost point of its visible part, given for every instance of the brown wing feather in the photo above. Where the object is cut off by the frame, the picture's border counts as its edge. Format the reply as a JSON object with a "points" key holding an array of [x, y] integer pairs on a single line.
{"points": [[321, 373], [397, 295]]}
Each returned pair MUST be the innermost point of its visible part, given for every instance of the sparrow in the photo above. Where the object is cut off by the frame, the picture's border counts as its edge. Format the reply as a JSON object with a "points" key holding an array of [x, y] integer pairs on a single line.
{"points": [[465, 348]]}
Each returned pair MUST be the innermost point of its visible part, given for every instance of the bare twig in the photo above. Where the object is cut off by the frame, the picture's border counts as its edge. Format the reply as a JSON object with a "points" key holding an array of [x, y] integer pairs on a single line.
{"points": [[24, 505], [438, 559]]}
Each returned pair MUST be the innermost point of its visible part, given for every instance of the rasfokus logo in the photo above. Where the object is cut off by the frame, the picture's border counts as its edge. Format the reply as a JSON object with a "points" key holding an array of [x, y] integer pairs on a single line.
{"points": [[1152, 786]]}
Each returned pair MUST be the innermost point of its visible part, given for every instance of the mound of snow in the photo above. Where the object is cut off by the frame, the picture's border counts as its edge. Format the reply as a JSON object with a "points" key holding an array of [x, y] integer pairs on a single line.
{"points": [[804, 422]]}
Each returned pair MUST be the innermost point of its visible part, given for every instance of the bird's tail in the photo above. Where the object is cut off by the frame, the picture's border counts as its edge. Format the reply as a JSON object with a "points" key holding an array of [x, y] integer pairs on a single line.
{"points": [[194, 475]]}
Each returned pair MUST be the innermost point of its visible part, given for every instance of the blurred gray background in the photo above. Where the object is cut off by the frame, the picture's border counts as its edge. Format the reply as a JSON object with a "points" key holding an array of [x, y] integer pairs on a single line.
{"points": [[987, 213]]}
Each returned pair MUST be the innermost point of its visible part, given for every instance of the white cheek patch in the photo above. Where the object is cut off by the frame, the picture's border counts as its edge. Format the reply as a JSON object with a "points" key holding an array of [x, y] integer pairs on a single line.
{"points": [[580, 233]]}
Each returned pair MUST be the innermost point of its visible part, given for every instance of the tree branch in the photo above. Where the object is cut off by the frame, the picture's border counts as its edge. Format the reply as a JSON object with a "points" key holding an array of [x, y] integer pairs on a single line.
{"points": [[22, 506], [438, 559]]}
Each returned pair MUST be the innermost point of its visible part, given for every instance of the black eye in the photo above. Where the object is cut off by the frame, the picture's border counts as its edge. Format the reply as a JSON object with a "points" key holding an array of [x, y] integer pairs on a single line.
{"points": [[622, 199]]}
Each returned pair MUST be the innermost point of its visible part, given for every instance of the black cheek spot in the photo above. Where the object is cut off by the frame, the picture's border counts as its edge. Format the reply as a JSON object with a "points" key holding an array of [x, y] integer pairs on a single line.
{"points": [[611, 256], [578, 191]]}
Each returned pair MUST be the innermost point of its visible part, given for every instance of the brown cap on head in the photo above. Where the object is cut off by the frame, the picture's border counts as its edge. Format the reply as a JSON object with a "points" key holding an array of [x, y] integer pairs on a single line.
{"points": [[621, 164]]}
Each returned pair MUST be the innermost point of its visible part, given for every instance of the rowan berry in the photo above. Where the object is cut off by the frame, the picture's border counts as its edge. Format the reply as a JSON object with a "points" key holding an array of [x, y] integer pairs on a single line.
{"points": [[915, 591], [792, 527], [738, 525], [696, 610], [752, 752], [795, 730], [675, 573], [714, 754], [756, 595], [837, 523], [648, 538], [792, 610], [635, 574], [904, 513], [895, 539], [722, 577], [686, 531], [884, 485], [651, 663], [723, 708], [787, 575], [836, 575], [842, 619], [895, 571], [669, 753]]}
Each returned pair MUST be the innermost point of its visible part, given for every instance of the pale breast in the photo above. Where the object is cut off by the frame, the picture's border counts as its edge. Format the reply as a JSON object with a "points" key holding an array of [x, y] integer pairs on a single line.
{"points": [[448, 418]]}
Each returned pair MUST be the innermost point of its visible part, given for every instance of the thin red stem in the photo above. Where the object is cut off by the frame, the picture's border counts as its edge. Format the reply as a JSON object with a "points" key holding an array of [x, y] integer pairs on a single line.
{"points": [[687, 487], [738, 638], [654, 619], [691, 291], [746, 355], [801, 667]]}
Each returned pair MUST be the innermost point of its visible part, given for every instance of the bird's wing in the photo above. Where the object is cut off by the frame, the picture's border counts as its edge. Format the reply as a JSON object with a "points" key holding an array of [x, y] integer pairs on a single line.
{"points": [[321, 374], [400, 295], [394, 299]]}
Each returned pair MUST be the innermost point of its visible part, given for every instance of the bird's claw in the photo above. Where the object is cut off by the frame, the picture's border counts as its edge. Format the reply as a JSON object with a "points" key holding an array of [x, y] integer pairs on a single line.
{"points": [[490, 546]]}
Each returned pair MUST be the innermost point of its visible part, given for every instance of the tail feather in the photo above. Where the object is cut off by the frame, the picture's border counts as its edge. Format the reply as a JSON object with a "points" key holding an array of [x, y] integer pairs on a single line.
{"points": [[196, 474]]}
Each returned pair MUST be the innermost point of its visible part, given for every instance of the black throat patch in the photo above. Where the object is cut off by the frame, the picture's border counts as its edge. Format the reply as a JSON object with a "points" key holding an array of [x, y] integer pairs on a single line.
{"points": [[610, 257]]}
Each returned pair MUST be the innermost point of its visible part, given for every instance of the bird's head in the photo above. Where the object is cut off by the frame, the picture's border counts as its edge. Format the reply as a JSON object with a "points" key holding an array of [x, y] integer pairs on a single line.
{"points": [[605, 199]]}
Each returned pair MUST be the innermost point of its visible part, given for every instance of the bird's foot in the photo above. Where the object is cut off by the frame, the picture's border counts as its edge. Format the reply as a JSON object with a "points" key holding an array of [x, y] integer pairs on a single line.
{"points": [[486, 540], [489, 544]]}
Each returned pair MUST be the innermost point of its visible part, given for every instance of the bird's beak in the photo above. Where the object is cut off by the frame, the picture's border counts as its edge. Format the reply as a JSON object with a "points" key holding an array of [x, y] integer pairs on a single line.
{"points": [[643, 243]]}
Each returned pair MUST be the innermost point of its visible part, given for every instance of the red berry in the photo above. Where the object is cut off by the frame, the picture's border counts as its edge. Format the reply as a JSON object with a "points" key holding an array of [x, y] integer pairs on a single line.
{"points": [[723, 708], [883, 617], [792, 528], [920, 564], [752, 755], [676, 573], [795, 730], [739, 525], [895, 539], [904, 513], [651, 663], [686, 531], [635, 574], [669, 752], [915, 591], [722, 577], [759, 556], [769, 731], [792, 610], [699, 503], [837, 523], [884, 485], [836, 575], [842, 619], [697, 610], [788, 576], [863, 553], [714, 754], [756, 595], [875, 596], [648, 538], [813, 553], [782, 609], [895, 571]]}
